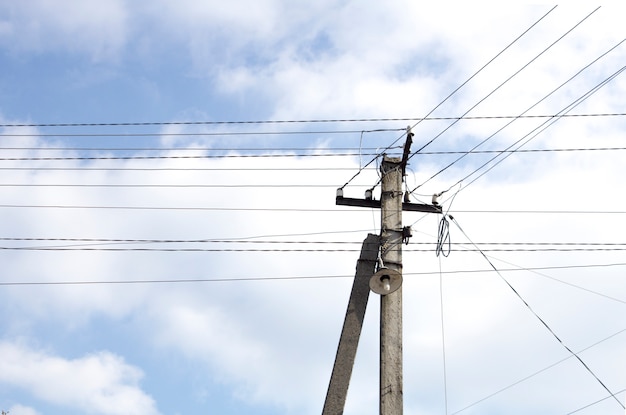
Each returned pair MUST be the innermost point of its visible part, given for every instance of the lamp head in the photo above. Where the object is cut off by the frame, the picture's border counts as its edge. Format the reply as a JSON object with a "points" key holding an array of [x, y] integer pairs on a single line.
{"points": [[385, 281]]}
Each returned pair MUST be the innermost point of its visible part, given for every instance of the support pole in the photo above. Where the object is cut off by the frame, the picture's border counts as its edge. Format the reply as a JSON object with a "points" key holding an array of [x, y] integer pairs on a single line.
{"points": [[391, 392], [352, 325], [391, 205]]}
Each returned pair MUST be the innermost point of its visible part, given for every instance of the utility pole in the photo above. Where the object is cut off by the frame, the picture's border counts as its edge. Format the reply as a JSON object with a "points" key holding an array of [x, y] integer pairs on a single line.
{"points": [[352, 325], [387, 282], [391, 402]]}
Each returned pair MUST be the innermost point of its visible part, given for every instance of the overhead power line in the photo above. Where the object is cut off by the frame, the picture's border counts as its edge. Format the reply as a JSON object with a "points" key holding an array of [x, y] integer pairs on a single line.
{"points": [[526, 65], [457, 89], [247, 240], [596, 402], [282, 278], [342, 151], [540, 319], [203, 134], [284, 250], [537, 130], [300, 150], [266, 156], [335, 210], [211, 156], [294, 132], [522, 114], [541, 371], [179, 168], [94, 244], [205, 186], [190, 208], [261, 122]]}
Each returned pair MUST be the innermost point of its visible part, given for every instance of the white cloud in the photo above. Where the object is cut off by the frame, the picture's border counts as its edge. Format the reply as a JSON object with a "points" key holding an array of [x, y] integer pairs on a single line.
{"points": [[98, 29], [22, 410], [99, 383], [273, 343], [258, 338]]}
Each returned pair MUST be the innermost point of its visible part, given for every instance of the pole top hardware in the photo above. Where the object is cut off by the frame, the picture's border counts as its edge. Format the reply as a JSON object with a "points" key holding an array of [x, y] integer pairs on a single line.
{"points": [[371, 203], [407, 150]]}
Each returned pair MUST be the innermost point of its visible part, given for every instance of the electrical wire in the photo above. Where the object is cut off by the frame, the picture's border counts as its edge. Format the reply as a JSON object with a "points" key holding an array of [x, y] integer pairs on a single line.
{"points": [[269, 149], [205, 123], [497, 87], [181, 249], [443, 339], [499, 152], [188, 208], [247, 240], [521, 114], [203, 149], [539, 129], [212, 156], [197, 169], [85, 248], [542, 321], [204, 134], [335, 210], [596, 402], [539, 372], [543, 212], [244, 279], [534, 271], [444, 243], [223, 122], [454, 92], [204, 186], [478, 71], [506, 81]]}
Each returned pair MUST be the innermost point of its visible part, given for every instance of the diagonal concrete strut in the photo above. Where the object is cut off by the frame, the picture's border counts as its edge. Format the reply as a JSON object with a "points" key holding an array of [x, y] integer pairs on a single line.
{"points": [[352, 325]]}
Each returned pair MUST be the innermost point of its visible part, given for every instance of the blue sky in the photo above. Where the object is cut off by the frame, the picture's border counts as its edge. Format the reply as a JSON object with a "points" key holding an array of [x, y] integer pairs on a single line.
{"points": [[102, 221]]}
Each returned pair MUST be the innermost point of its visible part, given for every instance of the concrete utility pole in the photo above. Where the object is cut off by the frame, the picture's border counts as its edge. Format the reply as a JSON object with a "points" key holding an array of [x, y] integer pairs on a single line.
{"points": [[391, 304], [352, 325], [387, 282]]}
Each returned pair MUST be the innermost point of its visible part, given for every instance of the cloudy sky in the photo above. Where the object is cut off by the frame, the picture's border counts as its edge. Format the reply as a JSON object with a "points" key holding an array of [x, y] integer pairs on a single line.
{"points": [[170, 243]]}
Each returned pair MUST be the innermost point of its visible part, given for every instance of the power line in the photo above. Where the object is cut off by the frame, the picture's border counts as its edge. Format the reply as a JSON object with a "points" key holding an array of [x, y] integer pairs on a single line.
{"points": [[539, 372], [204, 134], [283, 278], [206, 186], [230, 133], [497, 87], [249, 240], [179, 168], [21, 168], [541, 320], [522, 114], [507, 80], [539, 129], [213, 156], [302, 149], [218, 156], [314, 121], [544, 212], [256, 241], [334, 210], [562, 282], [433, 249], [203, 149], [419, 120], [596, 402], [191, 208], [208, 123]]}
